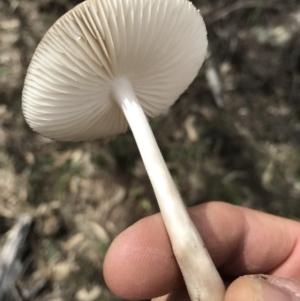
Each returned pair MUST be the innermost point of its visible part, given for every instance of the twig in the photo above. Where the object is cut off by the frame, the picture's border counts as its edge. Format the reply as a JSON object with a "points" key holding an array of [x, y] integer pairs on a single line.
{"points": [[213, 80], [10, 263]]}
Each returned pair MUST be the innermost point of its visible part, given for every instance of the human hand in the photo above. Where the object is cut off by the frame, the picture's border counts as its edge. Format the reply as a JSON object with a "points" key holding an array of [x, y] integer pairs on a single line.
{"points": [[140, 263]]}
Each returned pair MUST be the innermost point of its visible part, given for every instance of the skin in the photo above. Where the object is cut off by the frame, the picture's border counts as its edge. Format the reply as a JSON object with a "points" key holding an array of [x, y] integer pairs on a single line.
{"points": [[140, 263]]}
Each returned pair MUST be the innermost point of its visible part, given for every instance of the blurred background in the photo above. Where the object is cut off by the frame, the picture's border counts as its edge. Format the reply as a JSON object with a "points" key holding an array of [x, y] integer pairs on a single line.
{"points": [[233, 136]]}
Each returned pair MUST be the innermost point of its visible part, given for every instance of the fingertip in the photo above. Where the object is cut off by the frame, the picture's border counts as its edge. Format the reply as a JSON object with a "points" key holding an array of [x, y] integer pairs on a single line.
{"points": [[137, 258], [246, 288]]}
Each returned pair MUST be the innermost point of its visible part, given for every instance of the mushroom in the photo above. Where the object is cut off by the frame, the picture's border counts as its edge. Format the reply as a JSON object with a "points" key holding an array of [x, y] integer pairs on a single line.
{"points": [[109, 62]]}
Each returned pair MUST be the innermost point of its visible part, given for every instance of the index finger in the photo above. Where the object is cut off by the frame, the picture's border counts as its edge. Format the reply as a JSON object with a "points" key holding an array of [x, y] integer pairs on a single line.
{"points": [[140, 263]]}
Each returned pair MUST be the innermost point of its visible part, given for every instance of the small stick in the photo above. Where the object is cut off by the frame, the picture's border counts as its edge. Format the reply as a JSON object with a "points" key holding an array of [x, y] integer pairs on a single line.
{"points": [[214, 81], [10, 264]]}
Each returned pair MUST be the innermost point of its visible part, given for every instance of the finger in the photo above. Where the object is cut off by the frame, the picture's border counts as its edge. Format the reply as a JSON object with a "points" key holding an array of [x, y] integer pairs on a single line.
{"points": [[263, 288], [140, 263], [251, 288], [247, 288], [137, 256]]}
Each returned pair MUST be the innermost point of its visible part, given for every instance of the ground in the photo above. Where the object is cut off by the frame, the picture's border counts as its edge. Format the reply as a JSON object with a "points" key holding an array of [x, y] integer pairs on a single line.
{"points": [[242, 147]]}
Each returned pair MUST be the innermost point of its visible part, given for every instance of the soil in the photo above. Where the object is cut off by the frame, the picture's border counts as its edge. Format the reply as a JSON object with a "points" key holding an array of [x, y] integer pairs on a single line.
{"points": [[241, 146]]}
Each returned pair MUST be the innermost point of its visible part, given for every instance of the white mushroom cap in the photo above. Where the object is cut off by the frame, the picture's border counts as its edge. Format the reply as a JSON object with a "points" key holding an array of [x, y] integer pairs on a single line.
{"points": [[158, 45]]}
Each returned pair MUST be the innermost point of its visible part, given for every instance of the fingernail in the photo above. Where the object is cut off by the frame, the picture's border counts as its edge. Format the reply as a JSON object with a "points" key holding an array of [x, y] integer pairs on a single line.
{"points": [[279, 289]]}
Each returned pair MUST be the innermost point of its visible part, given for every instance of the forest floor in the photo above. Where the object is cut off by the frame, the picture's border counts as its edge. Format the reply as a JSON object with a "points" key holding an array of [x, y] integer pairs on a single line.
{"points": [[243, 148]]}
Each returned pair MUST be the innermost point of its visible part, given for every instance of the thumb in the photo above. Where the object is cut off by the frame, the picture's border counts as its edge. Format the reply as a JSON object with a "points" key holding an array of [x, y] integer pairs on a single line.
{"points": [[263, 288]]}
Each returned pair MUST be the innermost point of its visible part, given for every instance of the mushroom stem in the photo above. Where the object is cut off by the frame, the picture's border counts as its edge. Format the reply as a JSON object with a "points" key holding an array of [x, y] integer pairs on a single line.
{"points": [[201, 277]]}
